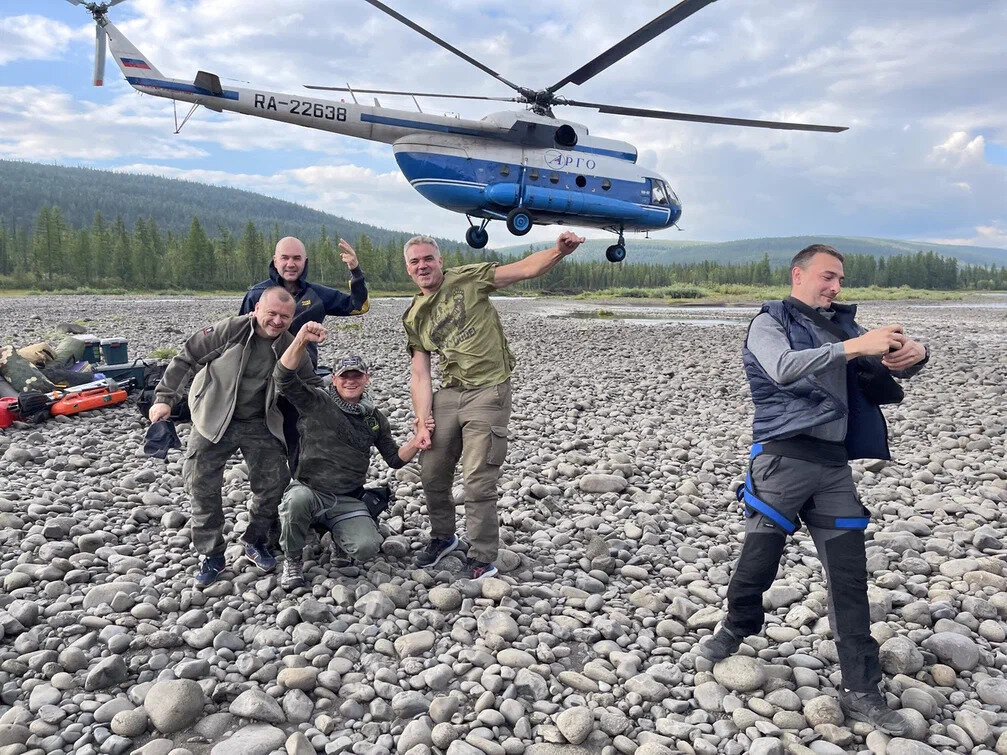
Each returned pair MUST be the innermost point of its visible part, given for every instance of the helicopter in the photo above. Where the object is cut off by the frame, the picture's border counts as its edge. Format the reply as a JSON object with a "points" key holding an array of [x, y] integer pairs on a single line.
{"points": [[522, 167]]}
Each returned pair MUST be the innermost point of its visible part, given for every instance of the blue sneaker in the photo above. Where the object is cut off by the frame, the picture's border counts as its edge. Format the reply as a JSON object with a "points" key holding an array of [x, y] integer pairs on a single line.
{"points": [[258, 554], [209, 570], [437, 549]]}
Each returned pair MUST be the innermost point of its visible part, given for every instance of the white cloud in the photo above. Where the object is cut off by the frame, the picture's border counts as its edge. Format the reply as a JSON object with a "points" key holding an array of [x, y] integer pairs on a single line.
{"points": [[959, 151], [31, 37]]}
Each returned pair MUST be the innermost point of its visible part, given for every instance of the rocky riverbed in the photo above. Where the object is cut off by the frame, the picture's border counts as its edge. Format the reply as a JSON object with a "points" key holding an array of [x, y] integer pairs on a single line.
{"points": [[620, 528]]}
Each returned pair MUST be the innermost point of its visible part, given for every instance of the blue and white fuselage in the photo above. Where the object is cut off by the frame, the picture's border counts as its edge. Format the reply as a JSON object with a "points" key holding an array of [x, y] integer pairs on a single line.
{"points": [[587, 184]]}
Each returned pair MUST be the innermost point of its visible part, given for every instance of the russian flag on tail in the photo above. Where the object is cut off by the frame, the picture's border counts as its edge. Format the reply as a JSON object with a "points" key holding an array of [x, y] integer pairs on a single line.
{"points": [[135, 63]]}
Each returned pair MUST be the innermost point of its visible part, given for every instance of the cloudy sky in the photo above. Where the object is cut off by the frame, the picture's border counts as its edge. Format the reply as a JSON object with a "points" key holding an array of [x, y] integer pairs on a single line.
{"points": [[920, 83]]}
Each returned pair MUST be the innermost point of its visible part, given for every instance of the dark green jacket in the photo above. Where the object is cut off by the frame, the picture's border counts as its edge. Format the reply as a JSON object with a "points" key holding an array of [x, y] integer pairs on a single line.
{"points": [[218, 355], [335, 446]]}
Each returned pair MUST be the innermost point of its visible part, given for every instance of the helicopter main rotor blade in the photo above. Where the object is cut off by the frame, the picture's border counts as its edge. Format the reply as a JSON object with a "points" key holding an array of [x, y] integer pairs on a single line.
{"points": [[354, 90], [637, 39], [672, 116], [434, 38]]}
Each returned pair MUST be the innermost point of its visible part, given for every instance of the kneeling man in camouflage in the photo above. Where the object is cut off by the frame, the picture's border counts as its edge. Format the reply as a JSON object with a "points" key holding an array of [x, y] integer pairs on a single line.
{"points": [[338, 426]]}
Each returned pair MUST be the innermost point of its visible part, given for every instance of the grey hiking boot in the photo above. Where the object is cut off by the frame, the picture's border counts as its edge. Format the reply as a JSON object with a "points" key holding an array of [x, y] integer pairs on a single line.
{"points": [[872, 708], [723, 644], [292, 578]]}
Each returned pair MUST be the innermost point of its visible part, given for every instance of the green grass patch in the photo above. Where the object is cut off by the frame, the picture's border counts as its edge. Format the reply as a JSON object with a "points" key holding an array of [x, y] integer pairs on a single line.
{"points": [[165, 352]]}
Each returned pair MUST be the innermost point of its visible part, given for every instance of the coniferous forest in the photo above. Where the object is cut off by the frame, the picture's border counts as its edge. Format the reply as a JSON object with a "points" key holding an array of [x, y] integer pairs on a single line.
{"points": [[51, 254]]}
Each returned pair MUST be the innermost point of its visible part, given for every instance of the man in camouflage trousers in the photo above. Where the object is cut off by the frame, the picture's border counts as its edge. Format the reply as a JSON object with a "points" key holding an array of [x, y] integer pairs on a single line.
{"points": [[338, 428], [233, 404]]}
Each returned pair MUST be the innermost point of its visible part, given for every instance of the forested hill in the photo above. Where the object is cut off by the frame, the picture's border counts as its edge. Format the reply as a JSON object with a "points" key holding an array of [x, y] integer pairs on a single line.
{"points": [[780, 250], [25, 188], [79, 193]]}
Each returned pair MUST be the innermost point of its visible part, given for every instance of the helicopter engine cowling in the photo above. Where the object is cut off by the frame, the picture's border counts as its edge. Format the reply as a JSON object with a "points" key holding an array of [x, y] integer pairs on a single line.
{"points": [[565, 137]]}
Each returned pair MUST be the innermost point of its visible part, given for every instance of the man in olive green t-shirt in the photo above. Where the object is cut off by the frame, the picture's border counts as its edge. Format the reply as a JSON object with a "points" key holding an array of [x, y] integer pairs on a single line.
{"points": [[453, 317]]}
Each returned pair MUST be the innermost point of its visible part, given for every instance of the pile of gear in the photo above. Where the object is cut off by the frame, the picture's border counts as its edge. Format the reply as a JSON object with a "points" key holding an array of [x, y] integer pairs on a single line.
{"points": [[78, 374]]}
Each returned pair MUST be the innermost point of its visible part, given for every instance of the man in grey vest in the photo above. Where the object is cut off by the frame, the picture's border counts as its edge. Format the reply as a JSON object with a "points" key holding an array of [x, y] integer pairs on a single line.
{"points": [[816, 379]]}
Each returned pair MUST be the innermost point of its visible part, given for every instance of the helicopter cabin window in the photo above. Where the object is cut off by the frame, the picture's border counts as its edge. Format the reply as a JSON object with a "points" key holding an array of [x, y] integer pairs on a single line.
{"points": [[658, 193], [581, 181], [504, 170], [533, 175], [606, 184], [554, 178]]}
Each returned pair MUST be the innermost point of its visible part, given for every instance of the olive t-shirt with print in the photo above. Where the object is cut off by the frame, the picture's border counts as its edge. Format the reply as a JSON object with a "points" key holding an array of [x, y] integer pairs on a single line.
{"points": [[459, 324]]}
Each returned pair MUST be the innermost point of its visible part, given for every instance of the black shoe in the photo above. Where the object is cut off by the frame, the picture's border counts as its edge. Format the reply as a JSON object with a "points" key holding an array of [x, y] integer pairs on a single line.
{"points": [[438, 548], [723, 644], [479, 569], [872, 708]]}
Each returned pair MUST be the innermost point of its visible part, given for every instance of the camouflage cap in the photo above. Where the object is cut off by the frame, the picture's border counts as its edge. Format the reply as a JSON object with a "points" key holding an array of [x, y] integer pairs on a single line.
{"points": [[351, 363]]}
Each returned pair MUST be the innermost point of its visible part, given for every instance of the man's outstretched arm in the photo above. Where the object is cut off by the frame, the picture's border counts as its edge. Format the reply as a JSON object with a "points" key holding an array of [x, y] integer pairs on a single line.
{"points": [[537, 263]]}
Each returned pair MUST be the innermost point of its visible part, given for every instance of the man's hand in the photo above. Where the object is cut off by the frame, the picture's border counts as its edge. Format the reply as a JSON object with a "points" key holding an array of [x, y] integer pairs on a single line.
{"points": [[422, 438], [910, 353], [568, 242], [875, 343], [349, 256], [311, 332], [158, 412]]}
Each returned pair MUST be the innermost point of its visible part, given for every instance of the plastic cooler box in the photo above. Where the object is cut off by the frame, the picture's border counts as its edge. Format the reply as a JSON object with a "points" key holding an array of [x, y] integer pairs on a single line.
{"points": [[92, 345], [114, 350]]}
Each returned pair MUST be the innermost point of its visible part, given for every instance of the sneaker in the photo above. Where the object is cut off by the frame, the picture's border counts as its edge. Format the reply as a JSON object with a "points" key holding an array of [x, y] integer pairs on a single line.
{"points": [[479, 569], [209, 570], [723, 644], [292, 578], [872, 708], [438, 548], [258, 554]]}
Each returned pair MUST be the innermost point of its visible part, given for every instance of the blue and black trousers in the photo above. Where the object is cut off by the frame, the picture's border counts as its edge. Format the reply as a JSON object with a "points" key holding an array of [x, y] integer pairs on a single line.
{"points": [[780, 493]]}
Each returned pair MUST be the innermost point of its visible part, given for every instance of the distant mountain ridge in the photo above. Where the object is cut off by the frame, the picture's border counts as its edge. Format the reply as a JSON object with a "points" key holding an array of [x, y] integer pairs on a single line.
{"points": [[780, 249], [79, 192], [25, 187]]}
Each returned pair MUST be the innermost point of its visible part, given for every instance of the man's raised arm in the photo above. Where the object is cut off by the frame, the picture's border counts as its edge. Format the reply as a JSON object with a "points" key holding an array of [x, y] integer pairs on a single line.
{"points": [[289, 373], [537, 263]]}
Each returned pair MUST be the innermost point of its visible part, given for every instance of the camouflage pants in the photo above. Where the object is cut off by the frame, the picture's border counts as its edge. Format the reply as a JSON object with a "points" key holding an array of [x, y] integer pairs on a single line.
{"points": [[347, 518], [203, 472]]}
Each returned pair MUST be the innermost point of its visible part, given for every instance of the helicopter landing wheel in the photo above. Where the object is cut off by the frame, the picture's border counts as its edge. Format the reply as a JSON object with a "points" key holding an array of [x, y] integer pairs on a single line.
{"points": [[615, 253], [518, 222], [477, 237]]}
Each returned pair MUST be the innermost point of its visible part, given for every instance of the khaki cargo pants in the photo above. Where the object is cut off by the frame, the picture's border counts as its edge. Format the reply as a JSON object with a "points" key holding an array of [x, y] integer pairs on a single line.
{"points": [[347, 518], [203, 473], [470, 424]]}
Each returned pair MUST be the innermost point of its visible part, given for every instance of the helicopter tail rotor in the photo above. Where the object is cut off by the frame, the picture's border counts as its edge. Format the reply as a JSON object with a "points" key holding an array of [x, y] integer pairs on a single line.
{"points": [[98, 11], [99, 56]]}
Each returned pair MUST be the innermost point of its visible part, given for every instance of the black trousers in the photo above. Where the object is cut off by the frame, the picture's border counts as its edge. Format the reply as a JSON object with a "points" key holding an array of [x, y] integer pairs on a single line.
{"points": [[792, 487]]}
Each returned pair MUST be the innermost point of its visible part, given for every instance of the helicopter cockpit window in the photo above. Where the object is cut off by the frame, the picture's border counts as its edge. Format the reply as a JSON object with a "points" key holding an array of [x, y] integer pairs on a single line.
{"points": [[554, 178], [505, 170], [606, 184], [658, 193]]}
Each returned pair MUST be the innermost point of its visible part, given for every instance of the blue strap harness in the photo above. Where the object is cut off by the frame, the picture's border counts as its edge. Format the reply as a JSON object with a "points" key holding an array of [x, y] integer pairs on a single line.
{"points": [[755, 505]]}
